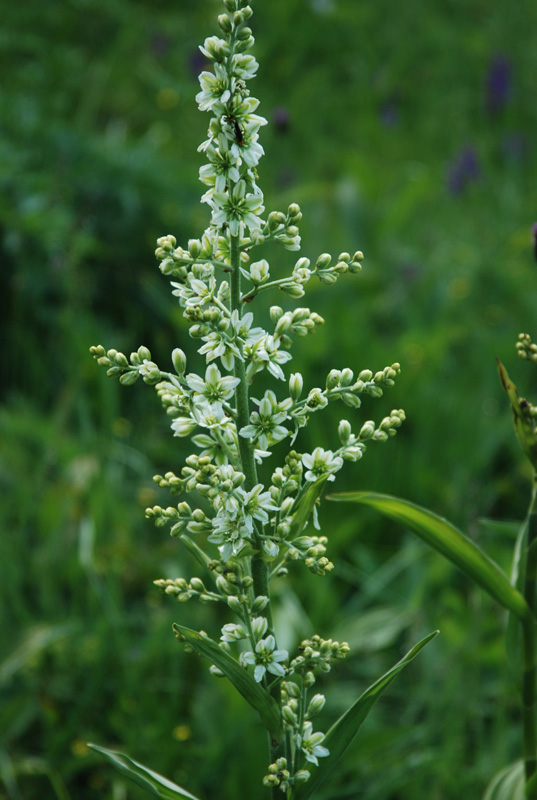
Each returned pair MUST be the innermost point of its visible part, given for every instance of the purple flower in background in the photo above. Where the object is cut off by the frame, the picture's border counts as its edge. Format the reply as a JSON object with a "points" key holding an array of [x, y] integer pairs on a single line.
{"points": [[498, 84], [160, 44], [464, 169], [389, 113], [281, 119]]}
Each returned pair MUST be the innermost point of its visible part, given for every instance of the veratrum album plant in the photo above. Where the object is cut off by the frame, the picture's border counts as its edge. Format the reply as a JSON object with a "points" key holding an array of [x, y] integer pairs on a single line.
{"points": [[248, 496]]}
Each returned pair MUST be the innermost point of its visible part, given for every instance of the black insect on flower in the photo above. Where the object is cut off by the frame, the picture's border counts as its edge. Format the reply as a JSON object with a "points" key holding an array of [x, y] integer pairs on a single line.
{"points": [[237, 130]]}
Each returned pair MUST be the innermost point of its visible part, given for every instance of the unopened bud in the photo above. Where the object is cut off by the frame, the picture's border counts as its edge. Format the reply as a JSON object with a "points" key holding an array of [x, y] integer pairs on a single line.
{"points": [[344, 431], [179, 361], [296, 384]]}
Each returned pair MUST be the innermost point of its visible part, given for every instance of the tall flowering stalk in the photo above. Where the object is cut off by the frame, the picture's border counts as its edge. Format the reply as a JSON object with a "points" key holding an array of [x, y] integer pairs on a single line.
{"points": [[244, 530]]}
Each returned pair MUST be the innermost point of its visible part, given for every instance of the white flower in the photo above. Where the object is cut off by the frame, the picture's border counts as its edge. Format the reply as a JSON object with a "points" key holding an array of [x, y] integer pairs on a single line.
{"points": [[215, 88], [265, 658], [230, 534], [235, 208], [215, 388], [268, 354], [218, 345], [256, 504], [310, 744], [321, 462]]}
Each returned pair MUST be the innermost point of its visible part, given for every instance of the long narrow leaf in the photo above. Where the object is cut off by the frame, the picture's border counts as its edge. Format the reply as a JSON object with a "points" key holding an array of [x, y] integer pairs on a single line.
{"points": [[345, 729], [151, 781], [450, 542], [508, 784], [253, 692], [305, 506]]}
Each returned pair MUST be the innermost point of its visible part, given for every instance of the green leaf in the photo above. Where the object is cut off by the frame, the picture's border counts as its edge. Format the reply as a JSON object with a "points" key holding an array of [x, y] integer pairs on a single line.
{"points": [[251, 690], [513, 634], [151, 781], [508, 784], [303, 508], [451, 543], [345, 729]]}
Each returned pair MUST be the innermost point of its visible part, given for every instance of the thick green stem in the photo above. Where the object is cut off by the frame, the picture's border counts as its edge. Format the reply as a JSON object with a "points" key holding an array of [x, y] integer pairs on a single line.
{"points": [[246, 451], [260, 571], [529, 697]]}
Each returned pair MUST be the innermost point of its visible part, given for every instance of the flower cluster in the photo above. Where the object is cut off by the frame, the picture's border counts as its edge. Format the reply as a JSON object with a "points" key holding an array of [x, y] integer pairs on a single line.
{"points": [[245, 532]]}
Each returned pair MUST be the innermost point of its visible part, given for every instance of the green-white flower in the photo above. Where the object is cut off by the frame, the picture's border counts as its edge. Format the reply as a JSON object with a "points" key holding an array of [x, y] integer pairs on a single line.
{"points": [[321, 462], [265, 657]]}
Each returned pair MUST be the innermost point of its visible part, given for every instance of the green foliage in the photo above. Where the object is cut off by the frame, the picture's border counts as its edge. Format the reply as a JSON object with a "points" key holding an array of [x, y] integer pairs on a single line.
{"points": [[99, 127]]}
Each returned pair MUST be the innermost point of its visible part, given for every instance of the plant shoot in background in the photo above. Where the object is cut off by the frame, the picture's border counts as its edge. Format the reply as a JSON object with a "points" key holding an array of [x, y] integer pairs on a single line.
{"points": [[248, 497]]}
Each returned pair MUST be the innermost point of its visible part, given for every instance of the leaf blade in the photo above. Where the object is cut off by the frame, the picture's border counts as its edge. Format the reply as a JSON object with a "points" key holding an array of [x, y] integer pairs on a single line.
{"points": [[253, 692], [345, 729], [448, 540], [151, 781], [508, 784]]}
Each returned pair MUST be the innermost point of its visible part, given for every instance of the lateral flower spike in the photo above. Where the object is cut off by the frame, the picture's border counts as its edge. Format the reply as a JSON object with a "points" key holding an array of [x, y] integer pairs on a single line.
{"points": [[524, 417]]}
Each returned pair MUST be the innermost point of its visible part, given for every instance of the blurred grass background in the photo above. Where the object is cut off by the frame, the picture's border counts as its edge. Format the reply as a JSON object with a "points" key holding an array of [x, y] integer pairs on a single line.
{"points": [[402, 130]]}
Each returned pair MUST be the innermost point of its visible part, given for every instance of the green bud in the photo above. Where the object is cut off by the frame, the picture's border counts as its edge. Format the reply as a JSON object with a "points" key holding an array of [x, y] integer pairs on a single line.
{"points": [[289, 716], [302, 776], [179, 361], [224, 586], [103, 361], [347, 376], [316, 705], [197, 585], [225, 24], [282, 326], [296, 383], [309, 679], [294, 211], [245, 33], [194, 247], [144, 354], [259, 604], [344, 431], [275, 220], [380, 436], [328, 277], [367, 430], [293, 290], [292, 689], [324, 261], [128, 378], [333, 378], [275, 313], [234, 604]]}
